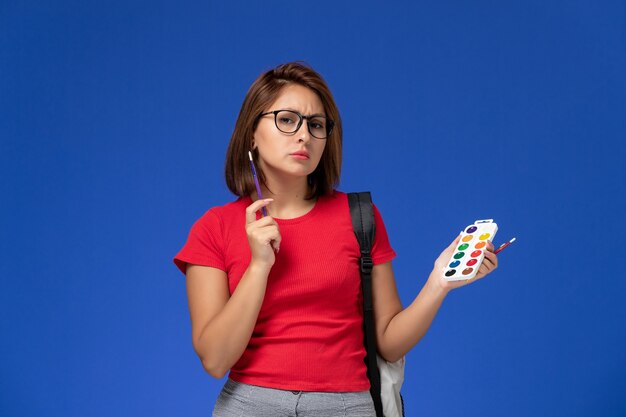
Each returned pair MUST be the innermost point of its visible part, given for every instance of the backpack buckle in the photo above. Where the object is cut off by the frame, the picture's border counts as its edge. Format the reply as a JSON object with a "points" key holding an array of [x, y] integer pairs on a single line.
{"points": [[366, 264]]}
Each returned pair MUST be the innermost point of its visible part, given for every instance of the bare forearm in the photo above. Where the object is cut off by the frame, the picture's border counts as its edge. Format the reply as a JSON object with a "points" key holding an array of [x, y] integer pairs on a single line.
{"points": [[408, 327], [223, 340]]}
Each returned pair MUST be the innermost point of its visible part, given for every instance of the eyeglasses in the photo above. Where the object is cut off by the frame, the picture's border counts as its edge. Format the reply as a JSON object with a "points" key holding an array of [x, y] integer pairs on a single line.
{"points": [[289, 121]]}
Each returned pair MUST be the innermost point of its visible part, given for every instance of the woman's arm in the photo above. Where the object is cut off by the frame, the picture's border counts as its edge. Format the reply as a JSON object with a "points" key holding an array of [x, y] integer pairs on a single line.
{"points": [[222, 324], [397, 329]]}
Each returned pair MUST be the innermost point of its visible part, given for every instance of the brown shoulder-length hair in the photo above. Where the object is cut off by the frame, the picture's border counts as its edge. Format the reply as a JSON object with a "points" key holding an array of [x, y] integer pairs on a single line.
{"points": [[263, 92]]}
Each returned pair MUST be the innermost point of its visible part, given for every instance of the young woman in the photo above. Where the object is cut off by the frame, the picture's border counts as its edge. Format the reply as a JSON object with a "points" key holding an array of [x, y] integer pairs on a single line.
{"points": [[276, 300]]}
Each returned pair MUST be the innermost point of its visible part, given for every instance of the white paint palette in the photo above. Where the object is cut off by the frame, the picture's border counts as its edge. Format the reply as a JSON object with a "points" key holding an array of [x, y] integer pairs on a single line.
{"points": [[470, 251]]}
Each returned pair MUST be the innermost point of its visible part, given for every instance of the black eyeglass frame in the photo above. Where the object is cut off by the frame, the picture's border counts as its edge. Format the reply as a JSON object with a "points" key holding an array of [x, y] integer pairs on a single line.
{"points": [[329, 122]]}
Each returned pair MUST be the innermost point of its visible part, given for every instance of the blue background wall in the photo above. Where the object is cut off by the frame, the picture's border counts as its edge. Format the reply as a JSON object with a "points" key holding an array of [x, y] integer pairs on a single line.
{"points": [[114, 121]]}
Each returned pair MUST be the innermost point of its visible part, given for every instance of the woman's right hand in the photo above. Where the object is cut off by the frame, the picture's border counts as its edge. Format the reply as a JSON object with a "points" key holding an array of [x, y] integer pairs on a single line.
{"points": [[263, 234]]}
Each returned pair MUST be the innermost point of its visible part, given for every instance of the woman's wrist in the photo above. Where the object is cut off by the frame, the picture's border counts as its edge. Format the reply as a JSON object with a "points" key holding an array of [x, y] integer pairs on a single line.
{"points": [[436, 286], [257, 267]]}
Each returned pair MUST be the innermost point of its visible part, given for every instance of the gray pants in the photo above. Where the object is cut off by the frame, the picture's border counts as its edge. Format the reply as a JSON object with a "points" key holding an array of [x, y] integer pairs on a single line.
{"points": [[239, 400]]}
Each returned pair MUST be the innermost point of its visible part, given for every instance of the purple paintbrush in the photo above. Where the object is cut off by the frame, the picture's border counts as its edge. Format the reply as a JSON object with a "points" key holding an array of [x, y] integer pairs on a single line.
{"points": [[256, 183]]}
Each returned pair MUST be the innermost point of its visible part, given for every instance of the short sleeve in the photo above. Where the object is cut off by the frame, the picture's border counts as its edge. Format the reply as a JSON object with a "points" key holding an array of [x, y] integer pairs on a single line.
{"points": [[204, 244], [381, 249]]}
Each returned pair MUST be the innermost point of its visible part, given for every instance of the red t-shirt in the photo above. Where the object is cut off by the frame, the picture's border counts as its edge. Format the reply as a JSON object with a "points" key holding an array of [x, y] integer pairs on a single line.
{"points": [[309, 333]]}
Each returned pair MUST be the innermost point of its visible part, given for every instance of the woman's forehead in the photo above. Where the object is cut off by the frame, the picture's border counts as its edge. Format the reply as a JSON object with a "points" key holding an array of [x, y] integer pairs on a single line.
{"points": [[298, 97]]}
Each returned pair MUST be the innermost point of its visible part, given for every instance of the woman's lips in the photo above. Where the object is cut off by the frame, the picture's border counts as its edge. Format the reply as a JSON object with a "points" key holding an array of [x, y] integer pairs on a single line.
{"points": [[300, 155]]}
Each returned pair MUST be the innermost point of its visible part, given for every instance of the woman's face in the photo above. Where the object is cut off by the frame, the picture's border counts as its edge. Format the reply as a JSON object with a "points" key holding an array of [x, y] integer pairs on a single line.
{"points": [[290, 154]]}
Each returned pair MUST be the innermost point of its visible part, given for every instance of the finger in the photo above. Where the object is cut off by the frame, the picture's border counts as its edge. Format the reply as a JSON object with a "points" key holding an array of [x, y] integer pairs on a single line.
{"points": [[447, 252], [486, 267], [492, 257], [264, 222], [276, 239], [269, 235], [265, 237], [254, 207], [260, 225], [483, 270], [487, 264]]}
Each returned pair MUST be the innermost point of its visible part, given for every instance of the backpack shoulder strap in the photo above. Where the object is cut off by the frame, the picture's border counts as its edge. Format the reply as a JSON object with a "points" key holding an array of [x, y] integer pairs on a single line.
{"points": [[362, 213]]}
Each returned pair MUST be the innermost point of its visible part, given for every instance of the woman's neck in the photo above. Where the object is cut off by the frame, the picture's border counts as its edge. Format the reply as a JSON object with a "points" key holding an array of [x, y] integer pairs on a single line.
{"points": [[289, 198]]}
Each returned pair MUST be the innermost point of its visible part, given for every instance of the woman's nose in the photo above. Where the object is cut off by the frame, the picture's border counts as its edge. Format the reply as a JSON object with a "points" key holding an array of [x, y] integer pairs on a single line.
{"points": [[303, 133]]}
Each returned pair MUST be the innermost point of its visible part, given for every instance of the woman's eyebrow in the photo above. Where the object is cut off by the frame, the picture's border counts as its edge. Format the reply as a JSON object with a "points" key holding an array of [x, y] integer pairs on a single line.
{"points": [[307, 115]]}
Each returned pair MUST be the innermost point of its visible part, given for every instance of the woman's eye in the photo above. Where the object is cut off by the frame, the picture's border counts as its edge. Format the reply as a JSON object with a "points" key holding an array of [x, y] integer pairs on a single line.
{"points": [[317, 125], [286, 120]]}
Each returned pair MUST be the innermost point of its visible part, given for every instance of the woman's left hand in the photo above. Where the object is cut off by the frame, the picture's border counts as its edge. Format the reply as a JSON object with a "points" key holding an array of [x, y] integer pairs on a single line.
{"points": [[489, 264]]}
